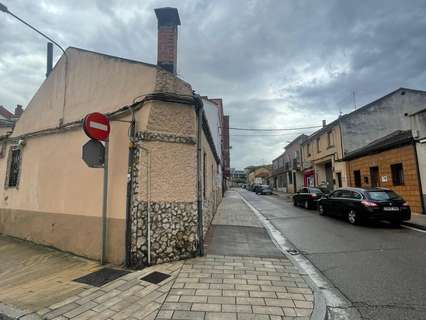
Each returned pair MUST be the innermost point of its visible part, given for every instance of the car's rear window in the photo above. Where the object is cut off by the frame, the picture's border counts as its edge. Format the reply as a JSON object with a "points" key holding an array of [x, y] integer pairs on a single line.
{"points": [[383, 195]]}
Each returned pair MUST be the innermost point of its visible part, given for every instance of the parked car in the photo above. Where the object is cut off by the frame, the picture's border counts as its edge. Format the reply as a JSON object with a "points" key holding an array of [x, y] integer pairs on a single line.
{"points": [[358, 205], [307, 197], [264, 189], [256, 187]]}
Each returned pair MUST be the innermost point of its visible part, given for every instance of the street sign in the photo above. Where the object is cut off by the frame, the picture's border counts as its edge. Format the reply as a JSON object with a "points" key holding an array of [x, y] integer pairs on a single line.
{"points": [[94, 154], [96, 126]]}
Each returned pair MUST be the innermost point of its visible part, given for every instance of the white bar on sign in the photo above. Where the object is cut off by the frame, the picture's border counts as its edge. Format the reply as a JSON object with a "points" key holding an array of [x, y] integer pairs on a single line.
{"points": [[98, 125]]}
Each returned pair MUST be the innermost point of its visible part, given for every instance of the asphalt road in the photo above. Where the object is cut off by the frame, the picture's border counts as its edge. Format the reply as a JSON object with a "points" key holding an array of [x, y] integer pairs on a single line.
{"points": [[381, 269]]}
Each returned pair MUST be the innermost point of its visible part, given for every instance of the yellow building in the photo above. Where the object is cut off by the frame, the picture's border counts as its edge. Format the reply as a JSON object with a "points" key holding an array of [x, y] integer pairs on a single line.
{"points": [[322, 155]]}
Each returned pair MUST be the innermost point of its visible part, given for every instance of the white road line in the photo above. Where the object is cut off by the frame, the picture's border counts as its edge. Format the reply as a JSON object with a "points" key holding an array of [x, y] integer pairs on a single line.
{"points": [[336, 302], [412, 228]]}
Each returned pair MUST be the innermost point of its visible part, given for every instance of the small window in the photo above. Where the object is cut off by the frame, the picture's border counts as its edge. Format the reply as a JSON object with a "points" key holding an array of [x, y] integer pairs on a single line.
{"points": [[357, 178], [397, 174], [14, 168], [339, 179], [330, 138], [308, 151], [318, 145]]}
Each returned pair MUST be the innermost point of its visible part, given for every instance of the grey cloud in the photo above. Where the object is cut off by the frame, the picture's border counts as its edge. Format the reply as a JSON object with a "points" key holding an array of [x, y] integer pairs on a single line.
{"points": [[275, 63]]}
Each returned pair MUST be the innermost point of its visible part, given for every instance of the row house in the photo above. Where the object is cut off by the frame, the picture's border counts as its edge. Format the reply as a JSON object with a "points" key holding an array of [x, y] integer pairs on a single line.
{"points": [[287, 173], [330, 152]]}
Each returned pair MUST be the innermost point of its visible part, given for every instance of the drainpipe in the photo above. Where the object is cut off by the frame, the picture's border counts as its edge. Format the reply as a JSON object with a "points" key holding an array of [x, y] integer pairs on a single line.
{"points": [[129, 196], [419, 178], [199, 110], [148, 196]]}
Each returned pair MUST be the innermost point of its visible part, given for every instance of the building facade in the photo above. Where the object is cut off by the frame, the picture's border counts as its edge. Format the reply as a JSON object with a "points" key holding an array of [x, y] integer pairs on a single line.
{"points": [[322, 158], [418, 129], [388, 162], [165, 179]]}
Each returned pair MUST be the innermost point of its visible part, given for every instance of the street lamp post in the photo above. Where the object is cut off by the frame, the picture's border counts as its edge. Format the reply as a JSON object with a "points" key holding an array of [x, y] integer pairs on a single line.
{"points": [[4, 9]]}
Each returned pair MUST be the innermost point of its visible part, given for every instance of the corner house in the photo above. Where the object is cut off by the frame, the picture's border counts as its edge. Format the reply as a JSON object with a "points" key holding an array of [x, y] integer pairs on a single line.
{"points": [[165, 166]]}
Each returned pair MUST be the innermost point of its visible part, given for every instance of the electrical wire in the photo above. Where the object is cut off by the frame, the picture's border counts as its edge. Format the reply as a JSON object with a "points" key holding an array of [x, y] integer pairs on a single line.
{"points": [[284, 129]]}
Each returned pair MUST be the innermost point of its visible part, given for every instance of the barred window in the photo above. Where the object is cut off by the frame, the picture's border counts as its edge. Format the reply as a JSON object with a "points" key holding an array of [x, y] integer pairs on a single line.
{"points": [[14, 168]]}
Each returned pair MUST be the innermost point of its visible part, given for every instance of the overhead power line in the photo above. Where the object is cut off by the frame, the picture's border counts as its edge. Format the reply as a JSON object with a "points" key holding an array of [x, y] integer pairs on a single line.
{"points": [[284, 129]]}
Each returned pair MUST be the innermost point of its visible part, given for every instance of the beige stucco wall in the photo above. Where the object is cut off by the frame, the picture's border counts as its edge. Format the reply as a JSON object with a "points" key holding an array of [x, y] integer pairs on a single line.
{"points": [[325, 149], [94, 82]]}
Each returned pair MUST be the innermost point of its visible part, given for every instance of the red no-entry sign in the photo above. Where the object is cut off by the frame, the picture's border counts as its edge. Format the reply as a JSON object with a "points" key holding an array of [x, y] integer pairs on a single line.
{"points": [[96, 125]]}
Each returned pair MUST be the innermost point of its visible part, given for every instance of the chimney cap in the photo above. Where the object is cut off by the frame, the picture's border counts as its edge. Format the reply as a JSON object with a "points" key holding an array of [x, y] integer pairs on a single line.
{"points": [[167, 16]]}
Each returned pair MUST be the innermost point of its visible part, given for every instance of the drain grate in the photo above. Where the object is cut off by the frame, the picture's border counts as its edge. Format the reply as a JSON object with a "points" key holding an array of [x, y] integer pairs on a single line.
{"points": [[101, 277], [155, 277]]}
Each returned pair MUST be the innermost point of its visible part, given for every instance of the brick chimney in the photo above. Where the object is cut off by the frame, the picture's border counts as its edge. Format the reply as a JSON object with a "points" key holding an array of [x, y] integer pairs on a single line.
{"points": [[18, 110], [168, 22]]}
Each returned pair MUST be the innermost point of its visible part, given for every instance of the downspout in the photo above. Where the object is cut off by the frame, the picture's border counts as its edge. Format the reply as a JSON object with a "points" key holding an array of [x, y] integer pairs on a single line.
{"points": [[129, 196], [148, 197], [419, 178], [199, 111]]}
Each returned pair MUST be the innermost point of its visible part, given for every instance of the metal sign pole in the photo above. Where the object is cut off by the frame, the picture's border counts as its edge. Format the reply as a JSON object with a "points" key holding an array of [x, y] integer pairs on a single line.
{"points": [[104, 203]]}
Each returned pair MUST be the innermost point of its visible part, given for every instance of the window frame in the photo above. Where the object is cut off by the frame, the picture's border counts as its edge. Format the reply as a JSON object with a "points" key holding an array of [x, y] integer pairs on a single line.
{"points": [[401, 174], [7, 184]]}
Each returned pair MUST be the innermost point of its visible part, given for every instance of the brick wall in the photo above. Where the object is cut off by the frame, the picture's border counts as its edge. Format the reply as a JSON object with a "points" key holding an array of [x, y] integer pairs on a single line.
{"points": [[410, 191], [167, 47]]}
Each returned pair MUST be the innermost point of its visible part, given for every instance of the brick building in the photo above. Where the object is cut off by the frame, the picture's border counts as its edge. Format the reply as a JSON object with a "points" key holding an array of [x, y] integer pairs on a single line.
{"points": [[388, 162]]}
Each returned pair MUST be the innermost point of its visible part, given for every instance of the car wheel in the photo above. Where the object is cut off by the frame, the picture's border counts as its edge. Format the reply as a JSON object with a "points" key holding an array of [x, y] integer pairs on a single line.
{"points": [[353, 217], [306, 204], [321, 210]]}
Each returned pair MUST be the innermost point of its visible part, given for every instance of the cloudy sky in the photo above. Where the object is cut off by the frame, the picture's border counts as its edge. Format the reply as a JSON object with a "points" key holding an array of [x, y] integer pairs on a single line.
{"points": [[276, 64]]}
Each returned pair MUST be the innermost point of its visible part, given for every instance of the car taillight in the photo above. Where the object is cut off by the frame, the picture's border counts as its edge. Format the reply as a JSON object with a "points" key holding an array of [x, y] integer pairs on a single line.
{"points": [[405, 204], [369, 203]]}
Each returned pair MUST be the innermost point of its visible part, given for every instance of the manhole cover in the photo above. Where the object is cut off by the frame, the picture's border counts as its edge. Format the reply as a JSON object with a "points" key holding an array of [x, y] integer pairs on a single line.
{"points": [[155, 277], [101, 277]]}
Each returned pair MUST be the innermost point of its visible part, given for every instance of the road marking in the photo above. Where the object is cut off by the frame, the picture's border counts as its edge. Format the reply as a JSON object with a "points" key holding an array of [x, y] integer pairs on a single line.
{"points": [[339, 307], [412, 228]]}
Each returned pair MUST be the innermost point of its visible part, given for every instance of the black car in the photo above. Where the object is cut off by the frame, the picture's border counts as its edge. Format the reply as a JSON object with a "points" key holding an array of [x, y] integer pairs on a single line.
{"points": [[255, 188], [358, 205], [307, 197], [264, 189]]}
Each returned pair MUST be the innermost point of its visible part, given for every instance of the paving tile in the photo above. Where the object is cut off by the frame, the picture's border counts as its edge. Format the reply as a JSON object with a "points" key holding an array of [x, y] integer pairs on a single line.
{"points": [[252, 316], [208, 292], [188, 315], [193, 299], [197, 285], [165, 314], [293, 296], [206, 307], [172, 298], [251, 301], [85, 315], [181, 292], [221, 300], [235, 293], [221, 316], [225, 286], [299, 290], [268, 310], [236, 308], [303, 304], [77, 311], [289, 312], [176, 306], [263, 294], [279, 302], [60, 311]]}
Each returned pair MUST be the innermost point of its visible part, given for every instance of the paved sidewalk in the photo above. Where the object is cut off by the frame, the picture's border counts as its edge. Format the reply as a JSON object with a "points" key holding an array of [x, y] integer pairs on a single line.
{"points": [[237, 287], [417, 221]]}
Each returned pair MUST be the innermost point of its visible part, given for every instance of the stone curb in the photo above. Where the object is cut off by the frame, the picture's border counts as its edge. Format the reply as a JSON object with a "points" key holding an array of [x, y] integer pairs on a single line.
{"points": [[323, 310], [414, 225], [8, 312]]}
